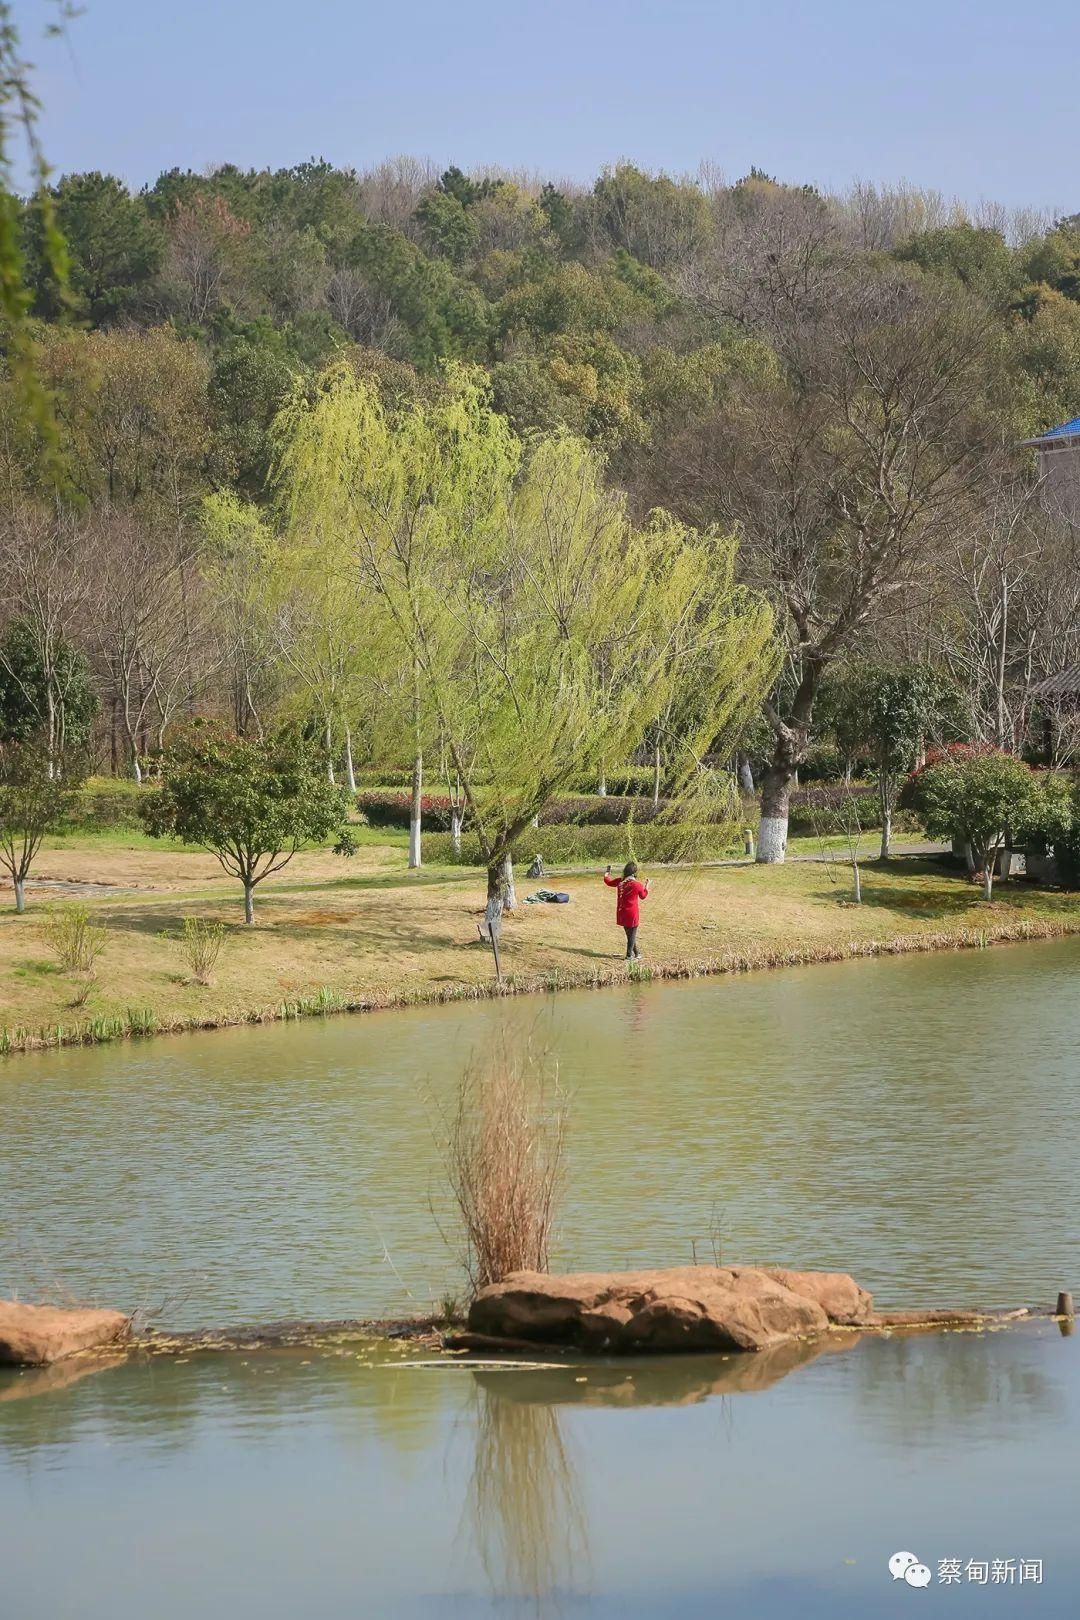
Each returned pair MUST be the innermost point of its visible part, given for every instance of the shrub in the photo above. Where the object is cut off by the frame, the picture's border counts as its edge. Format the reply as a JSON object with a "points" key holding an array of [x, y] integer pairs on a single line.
{"points": [[200, 945], [628, 779], [504, 1158], [383, 807], [593, 845], [76, 941], [105, 803], [975, 793], [389, 809]]}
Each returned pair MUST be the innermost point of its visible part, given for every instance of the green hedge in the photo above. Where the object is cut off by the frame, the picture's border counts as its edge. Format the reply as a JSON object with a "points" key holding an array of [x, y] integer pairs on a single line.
{"points": [[595, 846], [106, 802], [812, 820], [627, 780]]}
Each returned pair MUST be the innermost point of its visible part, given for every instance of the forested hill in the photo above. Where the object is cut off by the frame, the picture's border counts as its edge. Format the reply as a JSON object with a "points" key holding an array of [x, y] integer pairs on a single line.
{"points": [[843, 383], [601, 308]]}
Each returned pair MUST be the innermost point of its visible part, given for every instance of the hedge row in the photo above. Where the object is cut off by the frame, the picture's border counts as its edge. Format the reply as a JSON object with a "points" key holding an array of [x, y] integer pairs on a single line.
{"points": [[106, 803], [628, 779], [838, 813], [580, 846], [386, 807]]}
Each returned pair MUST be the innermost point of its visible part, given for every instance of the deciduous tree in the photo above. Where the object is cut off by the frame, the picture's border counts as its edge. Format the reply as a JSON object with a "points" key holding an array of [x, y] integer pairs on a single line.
{"points": [[252, 803]]}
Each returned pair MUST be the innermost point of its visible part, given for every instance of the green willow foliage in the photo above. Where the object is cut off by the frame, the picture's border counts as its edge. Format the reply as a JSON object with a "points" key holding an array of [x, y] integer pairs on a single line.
{"points": [[542, 631]]}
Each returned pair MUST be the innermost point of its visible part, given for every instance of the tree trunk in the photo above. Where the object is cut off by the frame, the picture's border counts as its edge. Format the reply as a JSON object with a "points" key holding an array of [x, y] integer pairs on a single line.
{"points": [[249, 902], [656, 775], [20, 897], [885, 802], [416, 810], [775, 805], [136, 768], [329, 734], [350, 768], [455, 829], [501, 895], [988, 877], [857, 876], [746, 775], [601, 786]]}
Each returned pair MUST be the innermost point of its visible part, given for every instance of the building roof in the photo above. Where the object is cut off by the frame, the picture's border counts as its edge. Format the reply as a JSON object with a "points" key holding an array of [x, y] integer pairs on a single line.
{"points": [[1066, 430], [1064, 685]]}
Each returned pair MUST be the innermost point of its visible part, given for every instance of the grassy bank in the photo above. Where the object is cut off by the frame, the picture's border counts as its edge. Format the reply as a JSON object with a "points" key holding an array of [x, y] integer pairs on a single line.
{"points": [[332, 935]]}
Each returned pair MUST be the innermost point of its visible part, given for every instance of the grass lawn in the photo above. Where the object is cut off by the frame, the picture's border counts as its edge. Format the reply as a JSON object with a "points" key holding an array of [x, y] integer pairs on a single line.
{"points": [[367, 931]]}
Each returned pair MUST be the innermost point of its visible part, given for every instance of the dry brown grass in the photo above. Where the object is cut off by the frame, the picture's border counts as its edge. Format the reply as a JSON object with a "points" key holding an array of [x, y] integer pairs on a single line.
{"points": [[368, 934], [504, 1152]]}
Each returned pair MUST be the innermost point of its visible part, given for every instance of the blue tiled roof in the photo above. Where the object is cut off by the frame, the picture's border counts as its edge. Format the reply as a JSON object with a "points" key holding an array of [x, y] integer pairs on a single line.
{"points": [[1067, 430]]}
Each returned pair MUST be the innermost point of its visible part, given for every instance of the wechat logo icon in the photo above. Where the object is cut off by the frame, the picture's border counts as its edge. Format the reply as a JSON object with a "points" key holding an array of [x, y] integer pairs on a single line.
{"points": [[905, 1566]]}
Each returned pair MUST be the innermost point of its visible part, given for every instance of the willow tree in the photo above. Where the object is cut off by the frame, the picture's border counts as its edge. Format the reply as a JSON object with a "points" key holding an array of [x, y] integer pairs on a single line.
{"points": [[390, 496], [547, 631]]}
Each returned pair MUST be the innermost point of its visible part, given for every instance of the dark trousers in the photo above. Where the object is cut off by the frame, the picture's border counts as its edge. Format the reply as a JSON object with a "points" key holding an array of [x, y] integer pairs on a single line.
{"points": [[631, 941]]}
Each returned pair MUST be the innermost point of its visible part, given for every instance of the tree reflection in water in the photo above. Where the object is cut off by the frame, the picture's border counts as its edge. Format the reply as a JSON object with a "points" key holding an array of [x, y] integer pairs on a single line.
{"points": [[524, 1499]]}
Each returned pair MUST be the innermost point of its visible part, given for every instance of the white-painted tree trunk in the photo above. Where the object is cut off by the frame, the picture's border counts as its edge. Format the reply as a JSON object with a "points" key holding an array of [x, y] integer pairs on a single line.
{"points": [[886, 832], [20, 896], [772, 840], [329, 752], [601, 786], [350, 768], [249, 903], [773, 827], [455, 830], [416, 811]]}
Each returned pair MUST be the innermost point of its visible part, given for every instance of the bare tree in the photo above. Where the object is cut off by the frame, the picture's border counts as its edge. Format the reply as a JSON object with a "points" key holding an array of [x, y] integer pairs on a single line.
{"points": [[42, 585], [845, 470], [364, 312], [141, 619], [393, 188]]}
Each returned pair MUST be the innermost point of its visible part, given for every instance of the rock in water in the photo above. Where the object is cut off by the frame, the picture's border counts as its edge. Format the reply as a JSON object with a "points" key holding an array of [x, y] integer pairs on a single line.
{"points": [[684, 1308], [38, 1335]]}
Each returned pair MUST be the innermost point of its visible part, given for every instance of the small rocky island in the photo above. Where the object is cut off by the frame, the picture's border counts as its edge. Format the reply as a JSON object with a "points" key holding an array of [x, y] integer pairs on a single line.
{"points": [[717, 1309], [686, 1308]]}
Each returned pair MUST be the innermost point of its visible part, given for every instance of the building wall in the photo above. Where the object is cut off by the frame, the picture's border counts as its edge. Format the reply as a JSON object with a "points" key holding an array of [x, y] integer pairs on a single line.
{"points": [[1059, 468]]}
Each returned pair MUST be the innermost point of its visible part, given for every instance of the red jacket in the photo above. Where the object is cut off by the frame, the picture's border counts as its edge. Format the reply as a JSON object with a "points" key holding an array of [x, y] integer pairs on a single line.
{"points": [[631, 891]]}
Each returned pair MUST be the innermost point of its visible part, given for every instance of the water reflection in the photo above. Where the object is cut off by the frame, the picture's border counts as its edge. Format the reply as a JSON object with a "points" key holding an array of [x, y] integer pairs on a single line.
{"points": [[661, 1380], [927, 1389], [524, 1501], [349, 1481]]}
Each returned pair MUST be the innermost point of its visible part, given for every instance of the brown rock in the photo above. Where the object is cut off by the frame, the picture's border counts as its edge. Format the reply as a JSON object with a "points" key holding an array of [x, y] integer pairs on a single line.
{"points": [[838, 1294], [38, 1335], [718, 1308]]}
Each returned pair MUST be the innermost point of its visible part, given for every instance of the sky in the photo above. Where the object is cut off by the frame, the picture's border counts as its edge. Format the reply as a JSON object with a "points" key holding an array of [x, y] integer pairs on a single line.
{"points": [[975, 99]]}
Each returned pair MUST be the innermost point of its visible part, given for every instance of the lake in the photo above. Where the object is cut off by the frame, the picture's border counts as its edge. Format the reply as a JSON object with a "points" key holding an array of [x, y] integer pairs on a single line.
{"points": [[915, 1121]]}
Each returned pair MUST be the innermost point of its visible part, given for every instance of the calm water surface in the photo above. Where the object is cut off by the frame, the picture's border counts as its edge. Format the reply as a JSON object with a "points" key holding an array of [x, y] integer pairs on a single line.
{"points": [[916, 1122], [307, 1486]]}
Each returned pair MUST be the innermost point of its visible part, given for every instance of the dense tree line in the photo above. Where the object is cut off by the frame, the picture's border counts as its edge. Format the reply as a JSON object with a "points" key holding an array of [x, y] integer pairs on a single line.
{"points": [[842, 382]]}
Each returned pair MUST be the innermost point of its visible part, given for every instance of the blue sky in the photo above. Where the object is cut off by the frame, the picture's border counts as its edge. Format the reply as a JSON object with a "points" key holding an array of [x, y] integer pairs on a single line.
{"points": [[977, 99]]}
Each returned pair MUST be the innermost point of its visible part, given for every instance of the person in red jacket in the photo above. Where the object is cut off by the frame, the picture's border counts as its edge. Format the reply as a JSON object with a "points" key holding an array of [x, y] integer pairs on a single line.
{"points": [[627, 904]]}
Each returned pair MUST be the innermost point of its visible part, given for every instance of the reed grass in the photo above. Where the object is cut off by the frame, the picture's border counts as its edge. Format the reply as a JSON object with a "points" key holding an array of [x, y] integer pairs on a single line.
{"points": [[504, 1154]]}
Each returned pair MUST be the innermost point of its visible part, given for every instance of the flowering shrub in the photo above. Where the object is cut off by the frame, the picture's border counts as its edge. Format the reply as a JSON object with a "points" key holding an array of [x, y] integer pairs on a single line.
{"points": [[388, 808]]}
